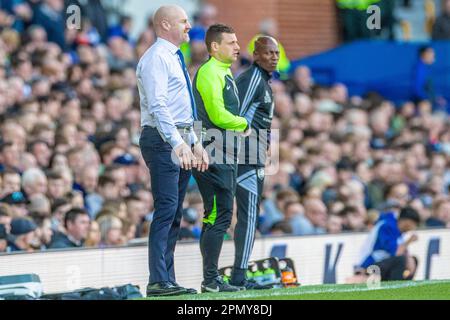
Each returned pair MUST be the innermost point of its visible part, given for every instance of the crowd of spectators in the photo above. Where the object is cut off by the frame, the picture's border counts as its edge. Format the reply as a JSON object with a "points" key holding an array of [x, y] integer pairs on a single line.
{"points": [[72, 175]]}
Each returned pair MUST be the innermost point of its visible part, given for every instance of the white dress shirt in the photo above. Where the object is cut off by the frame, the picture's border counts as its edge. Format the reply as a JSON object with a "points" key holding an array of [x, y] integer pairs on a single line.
{"points": [[163, 91]]}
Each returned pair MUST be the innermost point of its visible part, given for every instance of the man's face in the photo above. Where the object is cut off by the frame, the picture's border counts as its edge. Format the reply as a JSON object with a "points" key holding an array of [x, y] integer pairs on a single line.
{"points": [[356, 221], [79, 229], [443, 212], [406, 225], [227, 50], [136, 211], [429, 56], [400, 193], [11, 183], [317, 213], [90, 179], [19, 210], [42, 153], [268, 56], [6, 221], [179, 27], [3, 245], [447, 6], [56, 188], [110, 191], [120, 177], [44, 233], [294, 210], [59, 213], [11, 156]]}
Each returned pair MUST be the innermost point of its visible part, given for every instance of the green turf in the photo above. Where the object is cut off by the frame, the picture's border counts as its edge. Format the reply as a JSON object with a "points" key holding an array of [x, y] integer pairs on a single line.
{"points": [[405, 290]]}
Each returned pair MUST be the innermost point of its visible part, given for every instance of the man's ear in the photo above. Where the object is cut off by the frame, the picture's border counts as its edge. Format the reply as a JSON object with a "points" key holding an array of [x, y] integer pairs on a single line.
{"points": [[214, 46], [165, 25]]}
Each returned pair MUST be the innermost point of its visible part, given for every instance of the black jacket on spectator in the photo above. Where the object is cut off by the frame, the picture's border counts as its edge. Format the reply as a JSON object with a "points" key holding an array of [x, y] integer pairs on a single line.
{"points": [[441, 28], [434, 223], [61, 241]]}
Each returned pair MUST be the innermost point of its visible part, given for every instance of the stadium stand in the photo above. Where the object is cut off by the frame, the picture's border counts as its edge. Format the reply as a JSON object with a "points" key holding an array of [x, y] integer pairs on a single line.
{"points": [[352, 143]]}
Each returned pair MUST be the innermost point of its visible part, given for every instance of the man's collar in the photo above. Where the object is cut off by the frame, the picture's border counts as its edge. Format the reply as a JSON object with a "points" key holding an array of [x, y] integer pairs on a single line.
{"points": [[74, 241], [220, 63], [267, 76], [168, 45]]}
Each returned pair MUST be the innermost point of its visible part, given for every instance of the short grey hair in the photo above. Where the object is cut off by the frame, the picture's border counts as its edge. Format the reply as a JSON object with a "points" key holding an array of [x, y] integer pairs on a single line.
{"points": [[31, 175]]}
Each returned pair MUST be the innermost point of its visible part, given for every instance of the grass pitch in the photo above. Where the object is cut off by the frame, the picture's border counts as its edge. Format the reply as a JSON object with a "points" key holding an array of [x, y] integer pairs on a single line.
{"points": [[404, 290]]}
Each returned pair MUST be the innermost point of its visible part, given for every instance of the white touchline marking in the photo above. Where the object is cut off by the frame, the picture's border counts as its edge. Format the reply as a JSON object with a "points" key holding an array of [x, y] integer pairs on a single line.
{"points": [[290, 292]]}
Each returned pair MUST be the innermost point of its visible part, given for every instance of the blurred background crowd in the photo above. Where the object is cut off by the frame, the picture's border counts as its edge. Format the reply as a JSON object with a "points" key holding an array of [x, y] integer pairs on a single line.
{"points": [[72, 175]]}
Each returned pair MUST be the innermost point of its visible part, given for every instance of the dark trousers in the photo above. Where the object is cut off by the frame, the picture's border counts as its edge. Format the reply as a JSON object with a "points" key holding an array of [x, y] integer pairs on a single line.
{"points": [[217, 187], [169, 184], [250, 182], [393, 269]]}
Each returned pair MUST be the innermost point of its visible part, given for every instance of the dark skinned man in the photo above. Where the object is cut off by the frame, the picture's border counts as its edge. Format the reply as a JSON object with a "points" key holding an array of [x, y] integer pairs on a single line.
{"points": [[257, 106]]}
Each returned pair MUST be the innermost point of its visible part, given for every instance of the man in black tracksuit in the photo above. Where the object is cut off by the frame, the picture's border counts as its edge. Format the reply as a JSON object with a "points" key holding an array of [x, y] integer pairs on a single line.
{"points": [[217, 101], [257, 106]]}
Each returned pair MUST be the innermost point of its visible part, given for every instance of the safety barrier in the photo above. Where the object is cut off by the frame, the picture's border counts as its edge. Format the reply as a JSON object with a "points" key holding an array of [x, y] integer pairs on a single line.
{"points": [[318, 259]]}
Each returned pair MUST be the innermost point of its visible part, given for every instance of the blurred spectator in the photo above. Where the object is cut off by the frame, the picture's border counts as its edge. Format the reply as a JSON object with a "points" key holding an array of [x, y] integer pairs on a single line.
{"points": [[387, 248], [314, 220], [69, 129], [301, 82], [334, 224], [3, 239], [19, 11], [122, 29], [120, 54], [39, 204], [59, 209], [135, 212], [76, 224], [50, 16], [43, 232], [34, 182], [17, 203], [441, 214], [94, 238], [293, 213], [273, 211], [423, 81], [107, 189], [10, 182], [5, 217], [9, 156], [269, 27], [352, 219], [56, 185], [23, 231], [110, 230], [187, 225], [441, 28], [281, 228], [202, 21]]}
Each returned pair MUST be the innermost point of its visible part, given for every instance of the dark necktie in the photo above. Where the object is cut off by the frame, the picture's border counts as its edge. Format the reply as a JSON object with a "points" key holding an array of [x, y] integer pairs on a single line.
{"points": [[188, 81]]}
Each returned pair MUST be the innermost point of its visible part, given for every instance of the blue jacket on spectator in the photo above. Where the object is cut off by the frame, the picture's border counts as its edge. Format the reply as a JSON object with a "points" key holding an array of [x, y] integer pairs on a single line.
{"points": [[62, 241], [383, 240], [53, 23], [423, 85]]}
